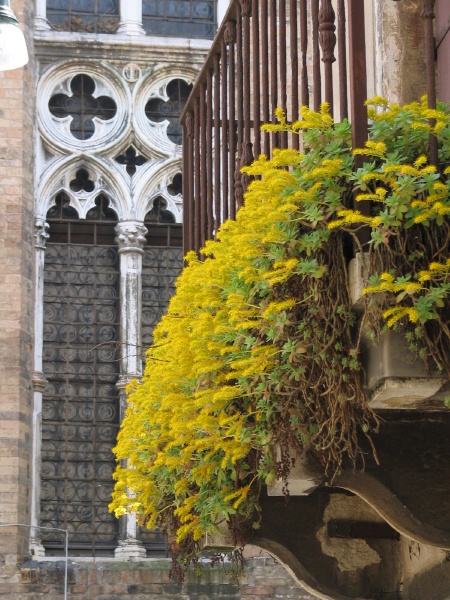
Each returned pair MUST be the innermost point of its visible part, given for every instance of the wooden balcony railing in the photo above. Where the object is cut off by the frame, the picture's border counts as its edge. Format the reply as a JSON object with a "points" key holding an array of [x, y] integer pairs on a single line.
{"points": [[269, 54]]}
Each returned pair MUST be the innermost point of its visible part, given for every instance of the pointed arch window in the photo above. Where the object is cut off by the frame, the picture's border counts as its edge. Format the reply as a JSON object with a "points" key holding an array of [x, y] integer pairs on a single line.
{"points": [[80, 415]]}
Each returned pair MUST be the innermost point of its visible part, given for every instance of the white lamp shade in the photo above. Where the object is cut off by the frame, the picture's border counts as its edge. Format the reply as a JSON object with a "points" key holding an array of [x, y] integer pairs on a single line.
{"points": [[13, 50]]}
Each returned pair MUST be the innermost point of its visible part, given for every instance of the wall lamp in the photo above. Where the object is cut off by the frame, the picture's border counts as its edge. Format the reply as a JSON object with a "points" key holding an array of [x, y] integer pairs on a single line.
{"points": [[13, 50]]}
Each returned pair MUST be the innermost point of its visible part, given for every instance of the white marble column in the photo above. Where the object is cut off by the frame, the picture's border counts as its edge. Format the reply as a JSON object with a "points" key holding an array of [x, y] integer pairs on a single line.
{"points": [[39, 382], [41, 22], [130, 239], [131, 17]]}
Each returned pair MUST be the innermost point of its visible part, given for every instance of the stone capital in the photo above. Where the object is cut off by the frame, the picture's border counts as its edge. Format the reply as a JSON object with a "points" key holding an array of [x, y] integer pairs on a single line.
{"points": [[39, 381], [130, 236]]}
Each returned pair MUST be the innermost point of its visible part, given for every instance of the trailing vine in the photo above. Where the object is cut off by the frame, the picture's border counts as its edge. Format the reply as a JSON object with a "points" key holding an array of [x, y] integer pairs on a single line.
{"points": [[257, 358]]}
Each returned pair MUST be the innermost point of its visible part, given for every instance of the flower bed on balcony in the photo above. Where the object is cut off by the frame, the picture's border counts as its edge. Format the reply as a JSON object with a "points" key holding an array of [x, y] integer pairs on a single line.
{"points": [[258, 355]]}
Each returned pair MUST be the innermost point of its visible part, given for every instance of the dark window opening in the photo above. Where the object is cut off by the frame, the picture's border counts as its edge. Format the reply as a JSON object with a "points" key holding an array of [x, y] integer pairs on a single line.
{"points": [[131, 159], [90, 16], [82, 182], [82, 106], [170, 110], [159, 213], [80, 414], [180, 18], [176, 187]]}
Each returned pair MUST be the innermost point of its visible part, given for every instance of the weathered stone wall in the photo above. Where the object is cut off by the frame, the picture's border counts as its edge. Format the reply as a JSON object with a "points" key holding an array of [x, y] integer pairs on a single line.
{"points": [[263, 579], [17, 90]]}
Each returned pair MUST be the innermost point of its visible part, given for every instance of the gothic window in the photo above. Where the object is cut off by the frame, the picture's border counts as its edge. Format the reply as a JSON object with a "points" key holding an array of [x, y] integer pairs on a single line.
{"points": [[180, 18], [82, 106], [158, 109], [80, 414], [162, 263], [92, 16]]}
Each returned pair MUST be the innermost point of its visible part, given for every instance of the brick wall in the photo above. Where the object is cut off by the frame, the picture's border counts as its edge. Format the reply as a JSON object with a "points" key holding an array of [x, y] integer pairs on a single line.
{"points": [[16, 288], [263, 579]]}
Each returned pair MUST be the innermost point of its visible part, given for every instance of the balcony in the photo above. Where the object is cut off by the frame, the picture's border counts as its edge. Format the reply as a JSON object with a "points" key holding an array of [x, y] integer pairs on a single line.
{"points": [[269, 54], [286, 53]]}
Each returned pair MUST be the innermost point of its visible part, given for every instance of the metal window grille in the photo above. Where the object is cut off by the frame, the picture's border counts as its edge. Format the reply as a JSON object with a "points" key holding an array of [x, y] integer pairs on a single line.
{"points": [[80, 403], [91, 16], [180, 18]]}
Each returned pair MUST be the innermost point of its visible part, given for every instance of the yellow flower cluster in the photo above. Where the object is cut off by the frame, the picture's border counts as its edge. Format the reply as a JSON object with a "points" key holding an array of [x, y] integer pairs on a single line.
{"points": [[188, 424]]}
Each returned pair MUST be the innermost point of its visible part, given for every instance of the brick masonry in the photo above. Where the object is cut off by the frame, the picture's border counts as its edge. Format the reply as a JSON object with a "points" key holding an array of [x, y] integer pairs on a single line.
{"points": [[17, 119], [263, 579]]}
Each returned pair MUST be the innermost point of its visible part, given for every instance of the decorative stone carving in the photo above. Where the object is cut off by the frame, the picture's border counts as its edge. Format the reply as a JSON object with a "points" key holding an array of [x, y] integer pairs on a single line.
{"points": [[132, 72], [40, 233], [130, 236], [62, 111]]}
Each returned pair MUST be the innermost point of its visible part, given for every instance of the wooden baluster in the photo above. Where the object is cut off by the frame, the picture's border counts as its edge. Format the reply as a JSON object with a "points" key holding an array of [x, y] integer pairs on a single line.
{"points": [[273, 56], [256, 78], [294, 68], [246, 154], [265, 90], [225, 121], [358, 75], [428, 16], [209, 156], [317, 79], [197, 190], [304, 51], [238, 190], [327, 40], [230, 39], [188, 183], [217, 143], [342, 52], [203, 168], [283, 66]]}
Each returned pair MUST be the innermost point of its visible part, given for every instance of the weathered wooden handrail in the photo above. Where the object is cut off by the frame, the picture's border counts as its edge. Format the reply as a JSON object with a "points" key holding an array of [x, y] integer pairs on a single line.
{"points": [[269, 54]]}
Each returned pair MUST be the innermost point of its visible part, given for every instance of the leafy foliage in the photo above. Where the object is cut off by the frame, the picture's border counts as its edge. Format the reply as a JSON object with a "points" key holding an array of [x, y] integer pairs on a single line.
{"points": [[257, 356]]}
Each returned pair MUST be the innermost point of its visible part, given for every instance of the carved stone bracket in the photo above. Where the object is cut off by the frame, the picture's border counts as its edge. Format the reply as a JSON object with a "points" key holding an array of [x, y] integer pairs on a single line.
{"points": [[229, 33], [130, 236], [40, 232]]}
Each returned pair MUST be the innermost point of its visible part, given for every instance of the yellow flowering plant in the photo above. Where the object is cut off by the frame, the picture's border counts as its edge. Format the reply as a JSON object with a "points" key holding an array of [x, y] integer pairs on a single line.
{"points": [[256, 359]]}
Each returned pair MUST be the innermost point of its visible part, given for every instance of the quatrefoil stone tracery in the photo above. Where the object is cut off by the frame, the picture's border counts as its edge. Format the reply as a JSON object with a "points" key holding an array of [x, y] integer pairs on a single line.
{"points": [[82, 106]]}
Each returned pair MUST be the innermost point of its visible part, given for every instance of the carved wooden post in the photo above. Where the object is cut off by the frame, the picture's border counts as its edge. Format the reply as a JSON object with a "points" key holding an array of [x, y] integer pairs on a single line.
{"points": [[327, 39], [428, 16], [245, 154], [230, 39], [188, 177]]}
